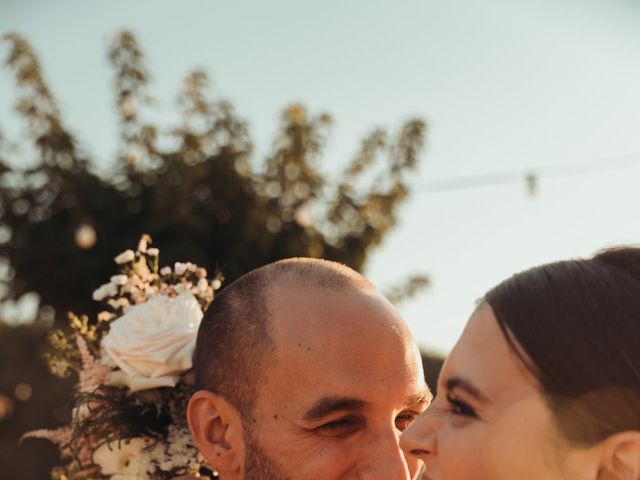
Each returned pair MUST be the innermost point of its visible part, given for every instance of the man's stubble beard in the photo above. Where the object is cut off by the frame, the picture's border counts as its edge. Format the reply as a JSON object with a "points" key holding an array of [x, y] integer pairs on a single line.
{"points": [[258, 465]]}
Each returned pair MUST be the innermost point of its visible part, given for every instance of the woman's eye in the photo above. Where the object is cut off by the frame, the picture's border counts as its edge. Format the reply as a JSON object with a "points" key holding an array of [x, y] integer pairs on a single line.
{"points": [[458, 407], [404, 420]]}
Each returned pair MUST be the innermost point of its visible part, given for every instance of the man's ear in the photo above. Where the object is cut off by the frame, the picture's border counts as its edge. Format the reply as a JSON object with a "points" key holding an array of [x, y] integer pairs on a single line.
{"points": [[621, 457], [216, 428]]}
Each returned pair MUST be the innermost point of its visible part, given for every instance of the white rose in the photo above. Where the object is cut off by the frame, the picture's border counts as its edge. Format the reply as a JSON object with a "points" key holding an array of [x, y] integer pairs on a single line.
{"points": [[154, 341]]}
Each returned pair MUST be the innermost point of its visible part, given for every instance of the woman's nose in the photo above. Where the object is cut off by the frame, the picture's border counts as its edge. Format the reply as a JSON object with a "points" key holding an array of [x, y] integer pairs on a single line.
{"points": [[419, 440]]}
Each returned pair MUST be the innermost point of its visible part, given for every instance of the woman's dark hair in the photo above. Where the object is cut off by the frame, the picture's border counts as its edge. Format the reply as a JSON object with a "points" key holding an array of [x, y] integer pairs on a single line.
{"points": [[576, 326]]}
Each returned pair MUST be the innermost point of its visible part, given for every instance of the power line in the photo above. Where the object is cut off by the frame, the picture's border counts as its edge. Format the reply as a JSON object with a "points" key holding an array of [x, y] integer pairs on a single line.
{"points": [[530, 177]]}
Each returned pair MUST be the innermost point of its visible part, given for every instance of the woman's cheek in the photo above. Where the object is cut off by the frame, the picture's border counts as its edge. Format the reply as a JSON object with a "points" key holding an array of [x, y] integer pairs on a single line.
{"points": [[519, 444], [462, 454]]}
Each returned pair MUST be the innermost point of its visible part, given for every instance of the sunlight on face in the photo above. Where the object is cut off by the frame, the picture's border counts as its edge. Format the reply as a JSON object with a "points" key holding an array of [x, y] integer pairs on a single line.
{"points": [[348, 380], [489, 421]]}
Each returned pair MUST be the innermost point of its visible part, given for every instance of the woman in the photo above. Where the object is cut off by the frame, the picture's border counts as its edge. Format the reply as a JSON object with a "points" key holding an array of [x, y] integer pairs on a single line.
{"points": [[544, 382]]}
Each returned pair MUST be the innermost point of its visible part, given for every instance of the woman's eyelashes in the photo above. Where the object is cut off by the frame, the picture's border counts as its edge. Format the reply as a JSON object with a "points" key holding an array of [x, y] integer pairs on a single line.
{"points": [[460, 407]]}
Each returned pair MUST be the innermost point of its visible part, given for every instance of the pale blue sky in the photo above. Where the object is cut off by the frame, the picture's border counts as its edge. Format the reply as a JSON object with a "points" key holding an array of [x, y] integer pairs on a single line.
{"points": [[504, 84]]}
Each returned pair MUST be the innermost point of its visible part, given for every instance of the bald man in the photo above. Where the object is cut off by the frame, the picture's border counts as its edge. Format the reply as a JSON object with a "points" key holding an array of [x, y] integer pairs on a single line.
{"points": [[305, 371]]}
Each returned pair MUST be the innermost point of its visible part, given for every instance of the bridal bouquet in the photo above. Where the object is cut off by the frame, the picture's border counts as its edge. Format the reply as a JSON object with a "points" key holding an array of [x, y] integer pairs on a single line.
{"points": [[134, 373]]}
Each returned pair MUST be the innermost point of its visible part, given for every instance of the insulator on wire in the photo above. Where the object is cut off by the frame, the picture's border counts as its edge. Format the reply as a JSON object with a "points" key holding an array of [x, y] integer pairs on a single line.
{"points": [[532, 184]]}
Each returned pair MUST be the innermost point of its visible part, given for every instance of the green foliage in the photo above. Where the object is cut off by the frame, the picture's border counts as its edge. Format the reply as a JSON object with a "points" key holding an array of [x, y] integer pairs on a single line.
{"points": [[203, 197]]}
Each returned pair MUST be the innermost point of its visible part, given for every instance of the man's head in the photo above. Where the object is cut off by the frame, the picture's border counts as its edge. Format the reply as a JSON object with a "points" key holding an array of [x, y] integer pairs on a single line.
{"points": [[305, 371]]}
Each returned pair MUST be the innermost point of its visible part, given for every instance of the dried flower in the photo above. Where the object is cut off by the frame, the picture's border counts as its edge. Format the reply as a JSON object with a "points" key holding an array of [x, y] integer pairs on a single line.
{"points": [[119, 280], [104, 291], [180, 268], [144, 243], [203, 285], [125, 257], [105, 316]]}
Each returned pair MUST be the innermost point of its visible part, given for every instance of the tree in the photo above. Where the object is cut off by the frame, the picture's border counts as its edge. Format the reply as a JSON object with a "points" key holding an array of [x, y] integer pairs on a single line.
{"points": [[201, 198], [195, 189]]}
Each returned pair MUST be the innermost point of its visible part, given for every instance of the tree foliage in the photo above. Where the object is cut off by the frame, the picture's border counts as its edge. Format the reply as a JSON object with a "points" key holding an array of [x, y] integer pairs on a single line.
{"points": [[196, 187]]}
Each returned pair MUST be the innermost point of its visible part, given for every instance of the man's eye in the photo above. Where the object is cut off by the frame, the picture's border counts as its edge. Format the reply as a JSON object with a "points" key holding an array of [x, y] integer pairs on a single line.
{"points": [[342, 426], [458, 407], [404, 420]]}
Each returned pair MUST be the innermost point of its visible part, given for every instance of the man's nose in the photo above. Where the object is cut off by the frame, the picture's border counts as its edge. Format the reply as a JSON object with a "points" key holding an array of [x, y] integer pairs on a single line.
{"points": [[419, 440], [383, 459]]}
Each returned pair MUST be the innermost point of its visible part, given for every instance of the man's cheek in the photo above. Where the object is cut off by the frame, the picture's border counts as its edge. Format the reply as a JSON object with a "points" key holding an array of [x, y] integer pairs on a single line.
{"points": [[323, 458]]}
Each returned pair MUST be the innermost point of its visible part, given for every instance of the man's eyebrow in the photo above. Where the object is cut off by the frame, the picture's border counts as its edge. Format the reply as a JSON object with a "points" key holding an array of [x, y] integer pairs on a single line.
{"points": [[329, 405], [425, 396], [468, 387]]}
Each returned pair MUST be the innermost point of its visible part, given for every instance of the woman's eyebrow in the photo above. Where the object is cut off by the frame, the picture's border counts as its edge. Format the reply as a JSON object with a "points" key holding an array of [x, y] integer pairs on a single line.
{"points": [[467, 386]]}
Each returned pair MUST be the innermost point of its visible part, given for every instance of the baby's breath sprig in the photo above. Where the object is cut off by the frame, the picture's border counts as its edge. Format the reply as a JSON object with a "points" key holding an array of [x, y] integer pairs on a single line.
{"points": [[124, 424]]}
